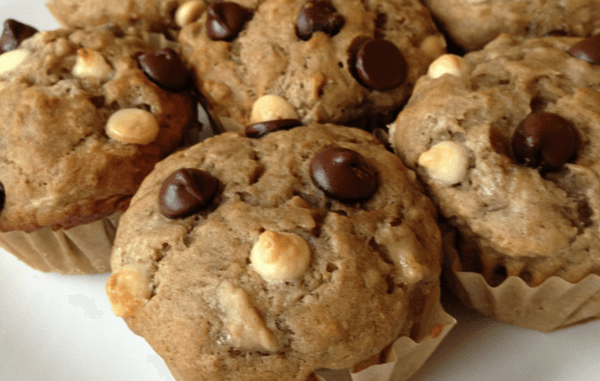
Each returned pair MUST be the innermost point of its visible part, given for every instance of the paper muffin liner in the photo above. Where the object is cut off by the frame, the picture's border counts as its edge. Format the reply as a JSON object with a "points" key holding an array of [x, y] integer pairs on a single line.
{"points": [[404, 356], [555, 304], [84, 249]]}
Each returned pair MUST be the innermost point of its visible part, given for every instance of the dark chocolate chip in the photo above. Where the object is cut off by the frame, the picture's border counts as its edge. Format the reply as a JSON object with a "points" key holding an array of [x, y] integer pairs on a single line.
{"points": [[545, 141], [377, 64], [225, 20], [13, 34], [587, 50], [261, 129], [318, 16], [2, 196], [343, 175], [165, 68], [187, 191]]}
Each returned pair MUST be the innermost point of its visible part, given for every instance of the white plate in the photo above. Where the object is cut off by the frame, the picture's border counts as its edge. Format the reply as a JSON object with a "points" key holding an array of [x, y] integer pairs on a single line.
{"points": [[57, 328]]}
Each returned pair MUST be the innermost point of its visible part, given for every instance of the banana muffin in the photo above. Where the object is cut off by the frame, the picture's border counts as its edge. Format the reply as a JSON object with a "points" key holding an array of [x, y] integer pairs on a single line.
{"points": [[85, 116], [340, 61], [267, 259], [506, 142]]}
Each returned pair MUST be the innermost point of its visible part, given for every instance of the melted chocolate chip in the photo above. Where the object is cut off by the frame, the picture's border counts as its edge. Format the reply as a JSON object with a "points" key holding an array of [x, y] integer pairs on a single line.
{"points": [[225, 20], [318, 16], [165, 68], [587, 50], [377, 64], [343, 175], [261, 129], [13, 34], [545, 141], [187, 191]]}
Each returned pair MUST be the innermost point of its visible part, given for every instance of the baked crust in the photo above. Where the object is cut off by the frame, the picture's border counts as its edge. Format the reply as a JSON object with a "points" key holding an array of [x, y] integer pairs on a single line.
{"points": [[58, 167], [314, 76], [513, 220], [372, 267]]}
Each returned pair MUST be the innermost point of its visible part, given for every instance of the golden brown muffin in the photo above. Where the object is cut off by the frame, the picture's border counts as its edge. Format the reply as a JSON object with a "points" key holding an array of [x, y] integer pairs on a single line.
{"points": [[505, 141], [266, 259], [333, 62], [82, 123]]}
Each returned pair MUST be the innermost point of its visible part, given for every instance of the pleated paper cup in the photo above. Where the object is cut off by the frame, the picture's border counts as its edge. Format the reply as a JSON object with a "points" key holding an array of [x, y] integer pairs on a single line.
{"points": [[555, 304], [84, 249]]}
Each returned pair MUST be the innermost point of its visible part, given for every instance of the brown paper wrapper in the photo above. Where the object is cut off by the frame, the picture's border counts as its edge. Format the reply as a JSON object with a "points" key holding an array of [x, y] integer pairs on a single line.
{"points": [[84, 249], [404, 356], [553, 305]]}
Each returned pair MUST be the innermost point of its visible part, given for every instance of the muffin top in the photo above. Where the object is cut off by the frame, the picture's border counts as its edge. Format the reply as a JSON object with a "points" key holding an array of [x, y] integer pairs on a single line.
{"points": [[81, 124], [333, 61], [506, 141], [473, 23], [148, 15], [234, 265]]}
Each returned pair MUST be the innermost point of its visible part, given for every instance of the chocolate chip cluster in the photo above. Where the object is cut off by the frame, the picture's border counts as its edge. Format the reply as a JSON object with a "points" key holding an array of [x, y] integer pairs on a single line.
{"points": [[375, 63], [342, 174]]}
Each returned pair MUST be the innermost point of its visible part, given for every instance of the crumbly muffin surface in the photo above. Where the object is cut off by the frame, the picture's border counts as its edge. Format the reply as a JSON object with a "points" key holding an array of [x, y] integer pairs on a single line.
{"points": [[473, 23], [268, 58], [514, 220], [372, 263], [149, 15], [58, 166]]}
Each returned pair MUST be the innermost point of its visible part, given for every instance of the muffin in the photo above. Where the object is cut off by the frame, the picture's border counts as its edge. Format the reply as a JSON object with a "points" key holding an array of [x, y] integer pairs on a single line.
{"points": [[267, 259], [505, 141], [85, 116], [344, 62], [471, 24]]}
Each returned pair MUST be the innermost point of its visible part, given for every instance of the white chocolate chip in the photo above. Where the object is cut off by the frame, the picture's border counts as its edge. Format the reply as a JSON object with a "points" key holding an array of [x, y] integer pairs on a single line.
{"points": [[433, 46], [242, 322], [446, 162], [90, 64], [280, 256], [231, 125], [132, 125], [189, 12], [449, 64], [128, 289], [403, 247], [9, 61], [272, 107]]}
